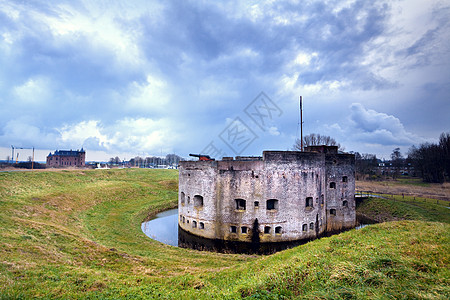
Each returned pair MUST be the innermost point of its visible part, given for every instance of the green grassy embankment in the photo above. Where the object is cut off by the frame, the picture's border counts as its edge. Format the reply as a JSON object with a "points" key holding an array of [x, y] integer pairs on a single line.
{"points": [[401, 207], [76, 234]]}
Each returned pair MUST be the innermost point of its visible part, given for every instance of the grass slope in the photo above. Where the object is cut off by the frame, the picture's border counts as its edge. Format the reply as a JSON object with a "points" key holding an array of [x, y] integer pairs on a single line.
{"points": [[76, 234]]}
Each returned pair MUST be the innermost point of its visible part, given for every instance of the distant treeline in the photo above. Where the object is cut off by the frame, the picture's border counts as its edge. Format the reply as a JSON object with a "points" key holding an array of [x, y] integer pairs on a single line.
{"points": [[151, 161], [432, 161], [23, 165]]}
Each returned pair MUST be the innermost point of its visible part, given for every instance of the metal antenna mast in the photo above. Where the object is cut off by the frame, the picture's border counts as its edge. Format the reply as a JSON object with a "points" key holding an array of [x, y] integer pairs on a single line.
{"points": [[301, 125]]}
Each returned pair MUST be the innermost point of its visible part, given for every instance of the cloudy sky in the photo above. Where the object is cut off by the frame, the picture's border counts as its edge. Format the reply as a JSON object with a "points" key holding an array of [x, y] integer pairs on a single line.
{"points": [[132, 78]]}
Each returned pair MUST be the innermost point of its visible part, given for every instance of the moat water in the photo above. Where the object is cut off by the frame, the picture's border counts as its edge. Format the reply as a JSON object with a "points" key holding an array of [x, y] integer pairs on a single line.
{"points": [[164, 228]]}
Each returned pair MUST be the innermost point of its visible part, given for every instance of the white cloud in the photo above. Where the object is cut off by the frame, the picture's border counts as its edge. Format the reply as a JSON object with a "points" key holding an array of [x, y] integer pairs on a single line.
{"points": [[77, 134], [368, 125], [34, 90], [151, 95], [274, 131], [125, 135]]}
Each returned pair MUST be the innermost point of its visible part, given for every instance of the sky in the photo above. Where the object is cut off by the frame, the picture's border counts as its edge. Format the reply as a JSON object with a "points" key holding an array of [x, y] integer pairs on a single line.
{"points": [[147, 78]]}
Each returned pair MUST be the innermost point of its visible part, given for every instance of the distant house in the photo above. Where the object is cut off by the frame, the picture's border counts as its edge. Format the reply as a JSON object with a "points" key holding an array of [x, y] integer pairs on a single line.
{"points": [[66, 158]]}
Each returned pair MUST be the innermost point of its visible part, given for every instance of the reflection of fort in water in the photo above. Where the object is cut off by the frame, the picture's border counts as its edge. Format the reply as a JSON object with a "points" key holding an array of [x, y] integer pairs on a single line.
{"points": [[284, 197], [164, 228]]}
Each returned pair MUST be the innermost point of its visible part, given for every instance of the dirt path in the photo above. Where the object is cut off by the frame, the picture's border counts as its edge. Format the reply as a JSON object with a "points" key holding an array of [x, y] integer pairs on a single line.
{"points": [[433, 191]]}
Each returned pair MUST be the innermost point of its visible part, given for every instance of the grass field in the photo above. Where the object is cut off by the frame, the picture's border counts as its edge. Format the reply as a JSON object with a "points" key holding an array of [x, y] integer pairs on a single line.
{"points": [[76, 234]]}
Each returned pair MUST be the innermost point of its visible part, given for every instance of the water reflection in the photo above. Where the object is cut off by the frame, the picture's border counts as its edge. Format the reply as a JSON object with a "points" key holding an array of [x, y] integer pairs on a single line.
{"points": [[163, 228]]}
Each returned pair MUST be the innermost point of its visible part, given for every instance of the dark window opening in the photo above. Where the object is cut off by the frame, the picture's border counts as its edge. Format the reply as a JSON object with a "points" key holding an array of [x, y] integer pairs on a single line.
{"points": [[184, 219], [187, 221], [243, 229], [233, 229], [309, 202], [332, 185], [311, 225], [266, 229], [194, 224], [272, 204], [344, 179], [181, 218], [278, 230], [345, 203], [182, 196], [322, 199], [305, 227], [332, 212], [240, 204], [256, 204], [202, 225], [189, 199], [198, 201]]}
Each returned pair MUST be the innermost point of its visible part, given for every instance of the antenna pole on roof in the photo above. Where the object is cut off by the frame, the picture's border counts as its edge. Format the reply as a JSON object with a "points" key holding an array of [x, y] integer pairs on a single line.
{"points": [[301, 125]]}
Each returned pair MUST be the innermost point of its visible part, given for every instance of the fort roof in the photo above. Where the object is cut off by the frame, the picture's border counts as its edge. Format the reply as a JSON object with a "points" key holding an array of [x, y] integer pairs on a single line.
{"points": [[67, 152]]}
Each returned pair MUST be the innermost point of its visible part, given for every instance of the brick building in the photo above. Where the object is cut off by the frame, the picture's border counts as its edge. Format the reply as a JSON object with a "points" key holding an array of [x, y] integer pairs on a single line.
{"points": [[66, 158]]}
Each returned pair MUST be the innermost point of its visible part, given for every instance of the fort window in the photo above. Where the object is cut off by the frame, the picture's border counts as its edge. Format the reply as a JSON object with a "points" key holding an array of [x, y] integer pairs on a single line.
{"points": [[332, 212], [309, 202], [266, 229], [344, 179], [184, 219], [181, 218], [332, 185], [243, 229], [321, 199], [345, 203], [240, 204], [305, 227], [233, 229], [189, 199], [311, 225], [182, 196], [278, 230], [187, 221], [194, 224], [272, 204], [202, 225], [256, 204], [198, 201]]}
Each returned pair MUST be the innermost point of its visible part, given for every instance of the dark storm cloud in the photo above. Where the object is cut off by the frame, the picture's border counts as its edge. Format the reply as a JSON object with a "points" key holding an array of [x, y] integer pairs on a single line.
{"points": [[146, 75]]}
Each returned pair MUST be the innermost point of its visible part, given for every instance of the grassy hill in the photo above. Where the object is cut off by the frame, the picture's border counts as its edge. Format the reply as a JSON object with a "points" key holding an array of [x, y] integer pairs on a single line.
{"points": [[76, 234]]}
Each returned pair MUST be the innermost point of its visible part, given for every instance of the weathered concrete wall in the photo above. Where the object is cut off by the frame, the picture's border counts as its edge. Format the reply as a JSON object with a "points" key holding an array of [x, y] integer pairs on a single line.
{"points": [[340, 196], [287, 193]]}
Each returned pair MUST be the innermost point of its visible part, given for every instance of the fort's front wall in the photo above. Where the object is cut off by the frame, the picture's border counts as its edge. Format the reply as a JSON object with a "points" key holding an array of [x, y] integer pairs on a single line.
{"points": [[287, 177], [340, 170]]}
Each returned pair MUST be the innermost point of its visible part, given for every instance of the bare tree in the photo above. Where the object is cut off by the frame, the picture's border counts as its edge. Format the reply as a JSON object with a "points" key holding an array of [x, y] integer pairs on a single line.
{"points": [[397, 162], [316, 139]]}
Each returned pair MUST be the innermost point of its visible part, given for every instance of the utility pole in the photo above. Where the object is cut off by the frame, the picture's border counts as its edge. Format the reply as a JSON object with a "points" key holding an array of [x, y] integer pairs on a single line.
{"points": [[301, 125], [32, 161], [12, 154]]}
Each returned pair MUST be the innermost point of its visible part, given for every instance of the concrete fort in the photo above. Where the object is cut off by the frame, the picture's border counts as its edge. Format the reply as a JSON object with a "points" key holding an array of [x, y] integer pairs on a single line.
{"points": [[281, 196]]}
